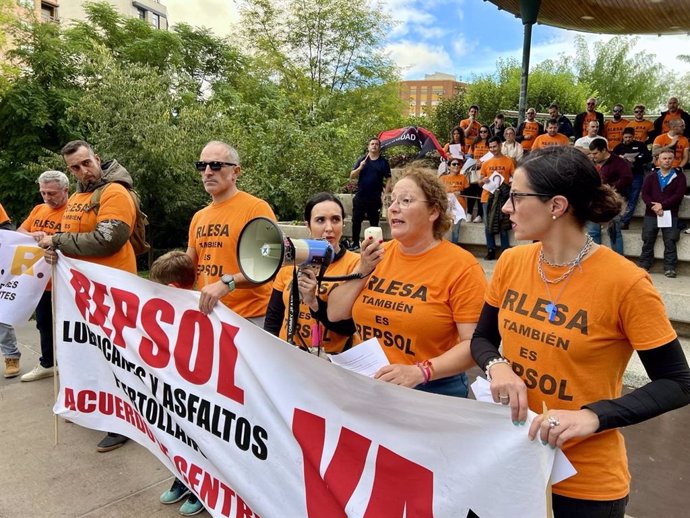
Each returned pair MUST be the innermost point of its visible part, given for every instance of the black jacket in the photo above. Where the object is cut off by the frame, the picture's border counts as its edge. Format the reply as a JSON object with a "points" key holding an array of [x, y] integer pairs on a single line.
{"points": [[658, 130], [580, 119]]}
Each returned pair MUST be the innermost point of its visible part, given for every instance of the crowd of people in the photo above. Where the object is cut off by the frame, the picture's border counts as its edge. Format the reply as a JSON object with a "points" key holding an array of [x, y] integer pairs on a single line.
{"points": [[425, 299], [624, 151]]}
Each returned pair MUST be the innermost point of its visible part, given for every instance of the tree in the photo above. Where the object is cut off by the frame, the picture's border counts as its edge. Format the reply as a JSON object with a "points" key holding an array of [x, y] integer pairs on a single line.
{"points": [[615, 75]]}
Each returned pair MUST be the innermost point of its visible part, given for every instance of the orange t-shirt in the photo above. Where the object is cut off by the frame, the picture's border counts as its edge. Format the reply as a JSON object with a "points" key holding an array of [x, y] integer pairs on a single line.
{"points": [[116, 203], [668, 118], [503, 165], [589, 117], [331, 342], [681, 145], [613, 132], [455, 183], [412, 303], [473, 134], [44, 218], [642, 129], [607, 310], [530, 129], [3, 215], [546, 140], [213, 234], [479, 149]]}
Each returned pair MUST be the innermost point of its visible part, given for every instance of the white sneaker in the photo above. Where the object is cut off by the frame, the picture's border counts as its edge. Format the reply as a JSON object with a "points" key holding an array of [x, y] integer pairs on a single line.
{"points": [[478, 219], [38, 373], [686, 231]]}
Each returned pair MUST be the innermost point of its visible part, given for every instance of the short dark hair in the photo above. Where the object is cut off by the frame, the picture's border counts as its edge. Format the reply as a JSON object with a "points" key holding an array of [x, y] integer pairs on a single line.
{"points": [[374, 138], [565, 171], [629, 131], [321, 197], [174, 267], [552, 122], [499, 115], [494, 139], [73, 147], [598, 144], [473, 106], [554, 105]]}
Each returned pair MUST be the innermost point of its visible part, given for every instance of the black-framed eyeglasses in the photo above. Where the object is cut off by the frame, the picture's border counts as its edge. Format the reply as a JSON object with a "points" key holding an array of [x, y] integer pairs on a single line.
{"points": [[454, 164], [639, 111], [512, 195], [617, 111], [214, 165]]}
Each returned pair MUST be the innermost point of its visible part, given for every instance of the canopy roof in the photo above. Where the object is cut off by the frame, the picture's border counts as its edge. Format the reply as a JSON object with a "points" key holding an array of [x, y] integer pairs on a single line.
{"points": [[611, 16]]}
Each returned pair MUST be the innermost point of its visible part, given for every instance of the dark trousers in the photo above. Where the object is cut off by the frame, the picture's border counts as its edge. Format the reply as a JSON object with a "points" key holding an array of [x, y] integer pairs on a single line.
{"points": [[669, 235], [564, 507], [473, 192], [361, 210], [44, 324]]}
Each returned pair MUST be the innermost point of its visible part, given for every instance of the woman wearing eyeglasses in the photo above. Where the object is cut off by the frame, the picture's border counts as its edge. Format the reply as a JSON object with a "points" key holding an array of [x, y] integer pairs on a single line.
{"points": [[456, 183], [423, 298], [324, 216], [569, 314]]}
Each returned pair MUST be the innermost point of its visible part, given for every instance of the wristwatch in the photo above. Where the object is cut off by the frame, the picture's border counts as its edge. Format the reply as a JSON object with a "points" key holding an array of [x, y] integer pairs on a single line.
{"points": [[229, 281]]}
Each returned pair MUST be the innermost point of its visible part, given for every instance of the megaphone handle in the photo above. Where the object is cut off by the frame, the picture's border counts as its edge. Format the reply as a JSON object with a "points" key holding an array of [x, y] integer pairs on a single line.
{"points": [[293, 308]]}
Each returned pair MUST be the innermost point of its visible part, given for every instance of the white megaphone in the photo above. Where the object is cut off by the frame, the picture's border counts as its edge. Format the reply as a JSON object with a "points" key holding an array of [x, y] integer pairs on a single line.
{"points": [[263, 249]]}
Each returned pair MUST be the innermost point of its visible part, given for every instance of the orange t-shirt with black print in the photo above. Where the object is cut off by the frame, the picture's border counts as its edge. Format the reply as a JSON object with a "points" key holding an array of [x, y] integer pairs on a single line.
{"points": [[668, 118], [411, 303], [44, 218], [580, 357], [680, 146], [642, 129], [547, 140], [473, 133], [613, 131], [479, 149], [530, 129], [116, 203], [503, 165], [455, 183], [331, 342], [213, 235]]}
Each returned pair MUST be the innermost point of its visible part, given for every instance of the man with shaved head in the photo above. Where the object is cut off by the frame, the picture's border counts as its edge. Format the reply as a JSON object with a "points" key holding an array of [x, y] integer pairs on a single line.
{"points": [[583, 119], [661, 124]]}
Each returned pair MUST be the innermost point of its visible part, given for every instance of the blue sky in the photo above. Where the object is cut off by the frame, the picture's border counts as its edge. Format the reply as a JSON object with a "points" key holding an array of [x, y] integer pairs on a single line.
{"points": [[460, 37]]}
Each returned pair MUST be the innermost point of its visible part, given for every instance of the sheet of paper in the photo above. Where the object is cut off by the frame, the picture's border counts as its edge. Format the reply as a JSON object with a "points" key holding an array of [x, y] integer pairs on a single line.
{"points": [[366, 358], [664, 221], [562, 468], [630, 157], [455, 208], [486, 157], [455, 150], [495, 180]]}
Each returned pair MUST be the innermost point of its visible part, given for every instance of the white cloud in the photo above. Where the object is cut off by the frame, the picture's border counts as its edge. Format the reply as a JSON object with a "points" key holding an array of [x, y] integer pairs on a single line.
{"points": [[416, 59]]}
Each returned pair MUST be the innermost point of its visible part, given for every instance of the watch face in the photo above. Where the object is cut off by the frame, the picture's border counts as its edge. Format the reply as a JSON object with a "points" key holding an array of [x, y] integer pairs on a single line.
{"points": [[226, 279]]}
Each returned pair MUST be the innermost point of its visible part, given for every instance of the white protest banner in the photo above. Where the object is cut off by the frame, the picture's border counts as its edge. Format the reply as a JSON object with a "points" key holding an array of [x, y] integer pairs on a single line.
{"points": [[24, 275], [259, 428]]}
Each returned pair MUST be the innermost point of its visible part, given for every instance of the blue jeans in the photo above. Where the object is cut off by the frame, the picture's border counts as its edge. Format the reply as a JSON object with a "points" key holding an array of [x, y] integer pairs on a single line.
{"points": [[8, 342], [455, 386], [455, 233], [490, 240], [635, 190], [614, 231]]}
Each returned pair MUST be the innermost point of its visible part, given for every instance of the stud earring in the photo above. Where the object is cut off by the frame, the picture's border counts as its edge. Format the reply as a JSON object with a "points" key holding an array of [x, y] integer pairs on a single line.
{"points": [[553, 217]]}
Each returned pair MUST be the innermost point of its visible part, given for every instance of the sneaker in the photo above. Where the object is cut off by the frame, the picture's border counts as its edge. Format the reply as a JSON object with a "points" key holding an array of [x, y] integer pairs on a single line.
{"points": [[478, 219], [491, 255], [38, 373], [686, 231], [671, 274], [176, 493], [110, 442], [468, 218], [11, 367], [191, 506]]}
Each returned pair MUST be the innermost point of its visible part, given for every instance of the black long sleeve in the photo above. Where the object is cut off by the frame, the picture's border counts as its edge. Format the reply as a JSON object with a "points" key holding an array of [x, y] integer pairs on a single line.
{"points": [[669, 389], [342, 327], [486, 338], [274, 313]]}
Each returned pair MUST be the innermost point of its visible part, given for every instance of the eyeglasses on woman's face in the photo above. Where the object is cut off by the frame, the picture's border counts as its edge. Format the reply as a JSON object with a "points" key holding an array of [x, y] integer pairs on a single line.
{"points": [[404, 200], [514, 194]]}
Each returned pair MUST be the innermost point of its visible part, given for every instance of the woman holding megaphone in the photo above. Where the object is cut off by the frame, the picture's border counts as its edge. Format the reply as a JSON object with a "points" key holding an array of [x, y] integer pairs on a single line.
{"points": [[423, 299], [324, 216]]}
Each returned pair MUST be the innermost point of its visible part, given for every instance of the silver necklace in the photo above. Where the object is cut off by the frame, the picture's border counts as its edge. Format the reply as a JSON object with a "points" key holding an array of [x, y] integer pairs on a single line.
{"points": [[551, 307]]}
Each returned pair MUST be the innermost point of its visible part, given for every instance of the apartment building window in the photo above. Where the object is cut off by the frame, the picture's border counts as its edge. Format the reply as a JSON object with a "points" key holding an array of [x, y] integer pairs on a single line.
{"points": [[48, 13], [141, 13], [155, 20]]}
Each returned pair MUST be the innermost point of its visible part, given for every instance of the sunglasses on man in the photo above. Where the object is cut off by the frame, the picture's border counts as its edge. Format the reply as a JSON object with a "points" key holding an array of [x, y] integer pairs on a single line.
{"points": [[215, 166]]}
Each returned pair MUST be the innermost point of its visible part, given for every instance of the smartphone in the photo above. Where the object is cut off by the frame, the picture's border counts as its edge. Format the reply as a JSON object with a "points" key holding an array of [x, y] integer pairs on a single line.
{"points": [[374, 232]]}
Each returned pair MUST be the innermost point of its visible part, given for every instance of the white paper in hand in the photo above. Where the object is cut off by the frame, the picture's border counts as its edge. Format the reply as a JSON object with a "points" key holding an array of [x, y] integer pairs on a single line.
{"points": [[366, 358]]}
